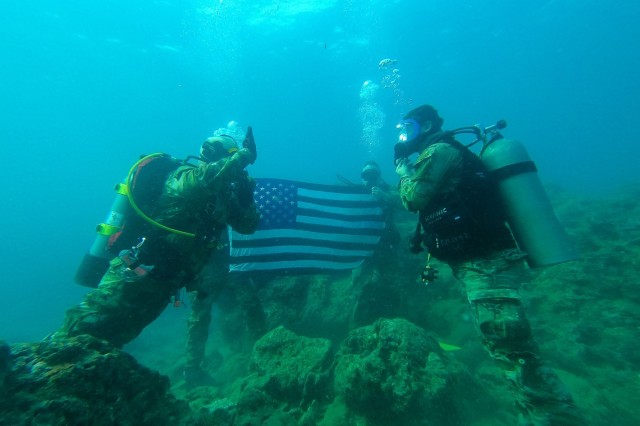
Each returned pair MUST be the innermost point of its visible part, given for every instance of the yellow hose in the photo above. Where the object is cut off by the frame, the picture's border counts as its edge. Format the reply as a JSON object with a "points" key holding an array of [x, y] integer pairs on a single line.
{"points": [[137, 209]]}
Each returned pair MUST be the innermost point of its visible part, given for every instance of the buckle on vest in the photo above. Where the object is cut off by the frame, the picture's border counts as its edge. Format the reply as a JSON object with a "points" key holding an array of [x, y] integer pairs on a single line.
{"points": [[130, 258]]}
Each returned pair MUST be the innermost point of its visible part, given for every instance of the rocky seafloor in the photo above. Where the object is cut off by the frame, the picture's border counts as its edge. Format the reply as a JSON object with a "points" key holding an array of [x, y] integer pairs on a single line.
{"points": [[323, 351]]}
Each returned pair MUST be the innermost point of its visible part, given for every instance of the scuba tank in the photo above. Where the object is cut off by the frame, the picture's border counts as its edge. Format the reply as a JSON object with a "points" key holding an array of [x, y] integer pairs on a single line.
{"points": [[123, 225], [529, 212], [96, 261]]}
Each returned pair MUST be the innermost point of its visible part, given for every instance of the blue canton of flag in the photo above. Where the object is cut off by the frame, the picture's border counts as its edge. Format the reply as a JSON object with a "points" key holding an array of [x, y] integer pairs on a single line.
{"points": [[277, 204], [306, 226]]}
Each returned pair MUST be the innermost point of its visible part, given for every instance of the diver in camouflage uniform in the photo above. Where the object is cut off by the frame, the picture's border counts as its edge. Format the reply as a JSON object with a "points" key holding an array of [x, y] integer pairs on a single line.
{"points": [[374, 278], [464, 226], [387, 196], [202, 200]]}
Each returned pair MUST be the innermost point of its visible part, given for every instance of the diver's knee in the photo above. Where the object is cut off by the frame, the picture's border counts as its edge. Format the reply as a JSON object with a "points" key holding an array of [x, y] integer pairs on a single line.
{"points": [[503, 321]]}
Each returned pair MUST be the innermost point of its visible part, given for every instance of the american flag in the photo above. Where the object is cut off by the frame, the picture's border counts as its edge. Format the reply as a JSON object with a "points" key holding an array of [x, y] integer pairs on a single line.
{"points": [[305, 226]]}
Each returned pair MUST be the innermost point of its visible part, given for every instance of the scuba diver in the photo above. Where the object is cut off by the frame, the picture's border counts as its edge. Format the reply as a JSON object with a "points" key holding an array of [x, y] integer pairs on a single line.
{"points": [[464, 208], [182, 232], [387, 196], [374, 278]]}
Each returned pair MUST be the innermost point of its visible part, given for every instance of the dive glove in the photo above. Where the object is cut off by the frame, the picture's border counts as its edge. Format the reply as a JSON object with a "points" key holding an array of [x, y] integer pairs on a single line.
{"points": [[403, 167], [250, 144]]}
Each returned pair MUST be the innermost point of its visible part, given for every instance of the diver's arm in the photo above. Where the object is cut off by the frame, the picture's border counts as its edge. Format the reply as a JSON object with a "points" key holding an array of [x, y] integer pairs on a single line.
{"points": [[243, 214], [208, 179]]}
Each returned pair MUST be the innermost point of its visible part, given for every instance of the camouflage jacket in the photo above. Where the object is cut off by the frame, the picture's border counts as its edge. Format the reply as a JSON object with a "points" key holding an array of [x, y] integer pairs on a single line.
{"points": [[201, 200], [438, 169]]}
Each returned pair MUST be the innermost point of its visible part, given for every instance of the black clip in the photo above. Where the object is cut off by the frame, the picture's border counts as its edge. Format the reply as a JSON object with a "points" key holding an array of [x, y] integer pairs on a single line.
{"points": [[429, 274]]}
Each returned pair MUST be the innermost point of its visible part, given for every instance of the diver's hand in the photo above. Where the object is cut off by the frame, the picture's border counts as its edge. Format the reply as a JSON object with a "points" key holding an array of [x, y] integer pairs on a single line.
{"points": [[400, 152], [250, 144], [381, 195], [403, 167]]}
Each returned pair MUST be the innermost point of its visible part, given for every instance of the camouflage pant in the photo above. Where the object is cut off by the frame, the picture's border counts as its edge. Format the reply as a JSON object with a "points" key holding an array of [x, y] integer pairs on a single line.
{"points": [[120, 307], [492, 285], [210, 284], [123, 304]]}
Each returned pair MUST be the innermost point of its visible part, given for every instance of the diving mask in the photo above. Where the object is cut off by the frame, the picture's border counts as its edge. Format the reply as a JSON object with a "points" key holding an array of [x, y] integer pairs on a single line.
{"points": [[409, 130]]}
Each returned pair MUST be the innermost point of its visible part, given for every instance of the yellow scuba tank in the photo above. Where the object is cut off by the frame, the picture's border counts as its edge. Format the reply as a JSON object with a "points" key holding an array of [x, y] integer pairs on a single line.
{"points": [[529, 212]]}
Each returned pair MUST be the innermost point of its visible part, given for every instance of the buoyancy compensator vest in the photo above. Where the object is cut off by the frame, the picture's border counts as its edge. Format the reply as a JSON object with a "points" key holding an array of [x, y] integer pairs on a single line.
{"points": [[470, 220], [129, 214]]}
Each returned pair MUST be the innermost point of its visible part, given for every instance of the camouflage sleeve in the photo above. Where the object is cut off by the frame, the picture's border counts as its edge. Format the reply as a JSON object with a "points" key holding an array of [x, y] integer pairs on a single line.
{"points": [[243, 214], [234, 166], [209, 179], [433, 172]]}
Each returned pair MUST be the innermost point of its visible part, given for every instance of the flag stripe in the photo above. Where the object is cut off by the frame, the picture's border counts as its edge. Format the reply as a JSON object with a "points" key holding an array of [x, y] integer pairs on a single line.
{"points": [[326, 229], [277, 257], [295, 241], [286, 250], [338, 200], [353, 215], [315, 266], [305, 237], [348, 225], [357, 193]]}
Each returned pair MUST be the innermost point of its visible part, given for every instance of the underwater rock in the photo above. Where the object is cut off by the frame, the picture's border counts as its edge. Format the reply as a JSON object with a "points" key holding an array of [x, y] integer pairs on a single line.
{"points": [[5, 362], [83, 380], [222, 410], [283, 298], [310, 305], [394, 372], [329, 306], [287, 377], [290, 367]]}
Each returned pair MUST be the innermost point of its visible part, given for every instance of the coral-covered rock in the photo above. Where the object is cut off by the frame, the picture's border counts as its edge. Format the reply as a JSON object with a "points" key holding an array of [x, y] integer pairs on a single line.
{"points": [[83, 380], [290, 367], [5, 362], [287, 376], [393, 372], [311, 305]]}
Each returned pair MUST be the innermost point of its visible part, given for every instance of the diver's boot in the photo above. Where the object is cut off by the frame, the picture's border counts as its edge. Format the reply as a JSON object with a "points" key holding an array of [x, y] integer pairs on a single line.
{"points": [[541, 397]]}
